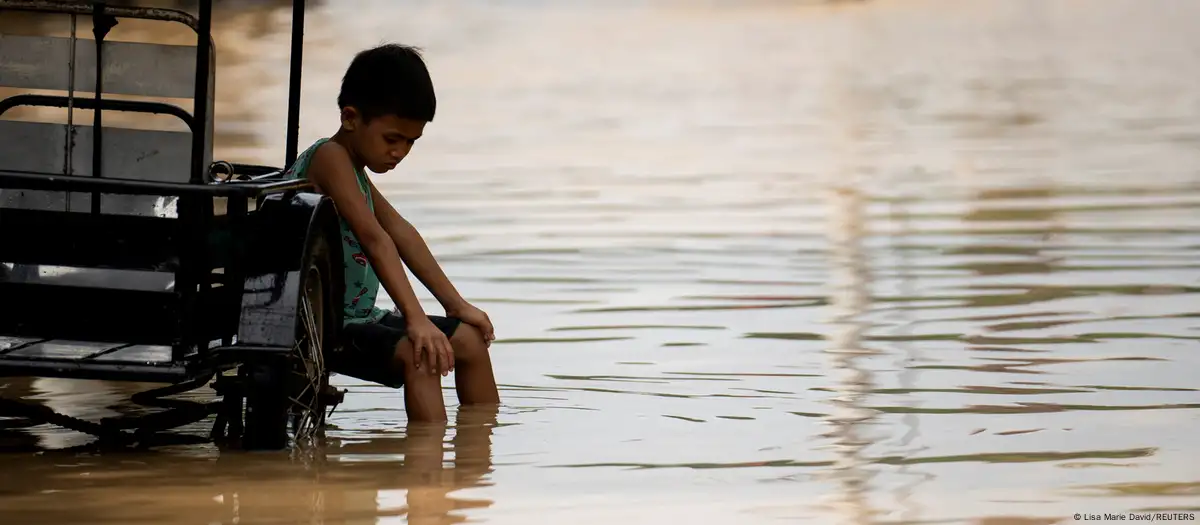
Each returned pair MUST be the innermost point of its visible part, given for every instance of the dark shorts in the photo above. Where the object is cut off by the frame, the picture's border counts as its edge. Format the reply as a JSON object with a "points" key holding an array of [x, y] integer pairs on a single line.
{"points": [[368, 350]]}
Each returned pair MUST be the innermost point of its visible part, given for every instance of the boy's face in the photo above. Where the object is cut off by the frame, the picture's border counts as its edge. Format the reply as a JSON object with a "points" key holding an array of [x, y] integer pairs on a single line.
{"points": [[384, 141]]}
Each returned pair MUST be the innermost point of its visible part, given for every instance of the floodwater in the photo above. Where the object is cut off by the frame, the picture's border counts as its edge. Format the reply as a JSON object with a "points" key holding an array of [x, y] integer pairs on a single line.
{"points": [[893, 261]]}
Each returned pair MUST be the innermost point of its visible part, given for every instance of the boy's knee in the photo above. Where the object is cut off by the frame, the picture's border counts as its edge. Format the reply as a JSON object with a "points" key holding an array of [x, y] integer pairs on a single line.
{"points": [[468, 343], [402, 354], [404, 361]]}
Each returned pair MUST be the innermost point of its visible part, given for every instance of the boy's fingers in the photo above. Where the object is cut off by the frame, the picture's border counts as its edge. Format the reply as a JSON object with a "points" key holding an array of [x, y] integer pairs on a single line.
{"points": [[430, 356], [489, 332], [439, 355], [449, 350], [435, 357]]}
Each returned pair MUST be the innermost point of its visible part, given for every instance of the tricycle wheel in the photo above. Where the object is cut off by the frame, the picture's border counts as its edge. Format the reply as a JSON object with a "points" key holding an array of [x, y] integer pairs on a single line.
{"points": [[283, 398]]}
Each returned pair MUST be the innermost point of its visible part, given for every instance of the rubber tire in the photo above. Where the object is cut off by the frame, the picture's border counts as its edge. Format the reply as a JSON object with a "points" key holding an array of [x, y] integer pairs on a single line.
{"points": [[267, 402]]}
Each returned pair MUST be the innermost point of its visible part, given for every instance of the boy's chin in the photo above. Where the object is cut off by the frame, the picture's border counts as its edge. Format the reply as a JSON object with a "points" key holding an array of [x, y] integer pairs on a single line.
{"points": [[382, 168]]}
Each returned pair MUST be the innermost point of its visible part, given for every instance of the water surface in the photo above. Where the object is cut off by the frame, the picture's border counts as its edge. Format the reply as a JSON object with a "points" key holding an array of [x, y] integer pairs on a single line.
{"points": [[905, 261]]}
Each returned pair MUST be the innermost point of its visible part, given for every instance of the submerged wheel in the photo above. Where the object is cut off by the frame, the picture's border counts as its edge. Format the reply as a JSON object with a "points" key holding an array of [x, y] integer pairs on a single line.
{"points": [[308, 376], [284, 401]]}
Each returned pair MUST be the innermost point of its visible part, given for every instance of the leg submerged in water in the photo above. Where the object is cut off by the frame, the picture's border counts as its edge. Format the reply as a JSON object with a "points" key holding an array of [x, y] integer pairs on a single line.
{"points": [[474, 381], [422, 388]]}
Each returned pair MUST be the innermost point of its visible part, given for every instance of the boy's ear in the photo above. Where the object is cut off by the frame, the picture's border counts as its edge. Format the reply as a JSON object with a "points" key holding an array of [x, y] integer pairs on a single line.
{"points": [[350, 118]]}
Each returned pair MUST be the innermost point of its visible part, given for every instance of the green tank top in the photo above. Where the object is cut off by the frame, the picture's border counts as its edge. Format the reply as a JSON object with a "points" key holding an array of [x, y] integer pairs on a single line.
{"points": [[362, 285]]}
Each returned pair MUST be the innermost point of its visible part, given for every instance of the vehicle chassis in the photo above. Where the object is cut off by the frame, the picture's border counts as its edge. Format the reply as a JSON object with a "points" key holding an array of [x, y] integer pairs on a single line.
{"points": [[254, 304]]}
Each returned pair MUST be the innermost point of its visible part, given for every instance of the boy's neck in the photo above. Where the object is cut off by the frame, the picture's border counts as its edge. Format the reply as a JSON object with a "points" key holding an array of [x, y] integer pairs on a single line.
{"points": [[342, 138]]}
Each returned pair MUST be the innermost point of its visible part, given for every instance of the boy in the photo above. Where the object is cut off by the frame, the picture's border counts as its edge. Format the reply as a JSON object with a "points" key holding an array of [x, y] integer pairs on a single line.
{"points": [[386, 99]]}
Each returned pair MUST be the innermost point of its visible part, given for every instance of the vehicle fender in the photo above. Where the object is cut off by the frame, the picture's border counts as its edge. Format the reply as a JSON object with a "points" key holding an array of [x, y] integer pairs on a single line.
{"points": [[277, 250]]}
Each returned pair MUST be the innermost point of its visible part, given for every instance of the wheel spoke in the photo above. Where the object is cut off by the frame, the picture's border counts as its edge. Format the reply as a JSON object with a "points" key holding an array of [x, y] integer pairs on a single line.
{"points": [[296, 384], [307, 413]]}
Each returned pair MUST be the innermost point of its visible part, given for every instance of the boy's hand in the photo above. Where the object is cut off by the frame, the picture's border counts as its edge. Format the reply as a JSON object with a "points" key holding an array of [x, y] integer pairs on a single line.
{"points": [[473, 316], [431, 349]]}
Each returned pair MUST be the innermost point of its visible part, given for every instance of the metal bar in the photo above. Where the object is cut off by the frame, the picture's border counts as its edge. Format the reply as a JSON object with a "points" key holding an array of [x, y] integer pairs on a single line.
{"points": [[14, 348], [246, 350], [100, 26], [70, 369], [297, 65], [191, 282], [69, 142], [200, 107], [237, 212], [80, 8], [254, 170], [24, 180], [134, 106], [69, 138], [94, 355]]}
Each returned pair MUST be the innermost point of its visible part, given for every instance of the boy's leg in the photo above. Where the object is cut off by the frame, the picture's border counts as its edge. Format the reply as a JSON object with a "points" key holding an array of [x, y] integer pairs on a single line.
{"points": [[422, 389], [382, 353], [473, 377], [474, 380]]}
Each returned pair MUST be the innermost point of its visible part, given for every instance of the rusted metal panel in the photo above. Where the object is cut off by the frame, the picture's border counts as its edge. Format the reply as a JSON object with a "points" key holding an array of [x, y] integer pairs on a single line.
{"points": [[148, 155], [130, 68]]}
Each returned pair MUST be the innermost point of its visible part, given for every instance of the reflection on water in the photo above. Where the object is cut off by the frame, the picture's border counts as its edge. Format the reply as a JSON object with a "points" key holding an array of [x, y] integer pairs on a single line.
{"points": [[850, 301], [357, 478], [989, 317]]}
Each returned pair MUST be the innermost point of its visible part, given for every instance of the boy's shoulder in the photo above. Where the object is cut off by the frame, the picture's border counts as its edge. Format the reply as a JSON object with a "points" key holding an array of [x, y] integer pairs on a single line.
{"points": [[335, 165], [325, 148]]}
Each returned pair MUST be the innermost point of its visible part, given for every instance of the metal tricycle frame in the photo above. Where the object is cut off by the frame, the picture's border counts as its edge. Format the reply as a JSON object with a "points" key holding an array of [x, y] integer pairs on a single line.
{"points": [[253, 301]]}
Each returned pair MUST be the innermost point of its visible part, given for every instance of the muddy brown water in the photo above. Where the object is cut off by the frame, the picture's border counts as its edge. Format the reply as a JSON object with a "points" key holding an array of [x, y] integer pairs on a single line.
{"points": [[906, 261]]}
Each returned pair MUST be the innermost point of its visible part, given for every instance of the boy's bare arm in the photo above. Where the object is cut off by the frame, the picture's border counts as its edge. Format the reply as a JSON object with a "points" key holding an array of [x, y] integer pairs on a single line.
{"points": [[415, 253], [331, 170]]}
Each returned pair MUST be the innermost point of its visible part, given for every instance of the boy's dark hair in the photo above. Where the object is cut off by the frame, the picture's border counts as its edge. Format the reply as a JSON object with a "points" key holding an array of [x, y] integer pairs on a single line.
{"points": [[389, 80]]}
